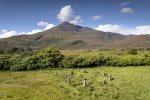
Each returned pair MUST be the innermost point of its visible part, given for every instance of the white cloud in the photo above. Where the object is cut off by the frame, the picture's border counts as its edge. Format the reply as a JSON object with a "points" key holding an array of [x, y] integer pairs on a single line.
{"points": [[5, 33], [96, 17], [44, 25], [142, 30], [127, 10], [49, 26], [66, 14], [145, 29], [126, 3], [108, 27], [31, 32]]}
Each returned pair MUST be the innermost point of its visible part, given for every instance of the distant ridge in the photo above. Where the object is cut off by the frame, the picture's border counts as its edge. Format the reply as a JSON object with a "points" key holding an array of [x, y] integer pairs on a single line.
{"points": [[70, 36]]}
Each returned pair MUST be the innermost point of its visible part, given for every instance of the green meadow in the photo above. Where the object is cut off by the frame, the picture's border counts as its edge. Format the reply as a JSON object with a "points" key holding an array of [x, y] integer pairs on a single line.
{"points": [[129, 83]]}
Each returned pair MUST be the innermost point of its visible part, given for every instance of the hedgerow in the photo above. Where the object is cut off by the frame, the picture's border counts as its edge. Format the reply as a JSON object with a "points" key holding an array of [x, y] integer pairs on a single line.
{"points": [[52, 58]]}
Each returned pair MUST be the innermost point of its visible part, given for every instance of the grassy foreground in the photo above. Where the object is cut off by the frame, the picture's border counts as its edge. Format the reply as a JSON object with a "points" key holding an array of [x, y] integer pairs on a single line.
{"points": [[130, 83]]}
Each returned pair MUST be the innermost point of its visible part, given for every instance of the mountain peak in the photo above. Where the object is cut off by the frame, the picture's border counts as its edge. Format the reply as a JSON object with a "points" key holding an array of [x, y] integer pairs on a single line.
{"points": [[66, 23], [69, 24], [66, 26]]}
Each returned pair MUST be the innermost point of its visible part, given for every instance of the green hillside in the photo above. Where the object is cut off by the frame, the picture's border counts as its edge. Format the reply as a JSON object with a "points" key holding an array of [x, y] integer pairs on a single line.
{"points": [[69, 36]]}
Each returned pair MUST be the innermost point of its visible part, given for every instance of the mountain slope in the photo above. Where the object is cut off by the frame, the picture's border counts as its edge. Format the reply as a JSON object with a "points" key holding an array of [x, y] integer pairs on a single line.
{"points": [[69, 36], [139, 41]]}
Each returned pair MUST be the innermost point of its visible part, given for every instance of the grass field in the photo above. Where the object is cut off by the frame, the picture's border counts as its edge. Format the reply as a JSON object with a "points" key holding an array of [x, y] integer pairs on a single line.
{"points": [[130, 83]]}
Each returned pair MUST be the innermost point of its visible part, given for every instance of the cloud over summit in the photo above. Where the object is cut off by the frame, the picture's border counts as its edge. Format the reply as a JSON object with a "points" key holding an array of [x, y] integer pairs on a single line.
{"points": [[66, 14]]}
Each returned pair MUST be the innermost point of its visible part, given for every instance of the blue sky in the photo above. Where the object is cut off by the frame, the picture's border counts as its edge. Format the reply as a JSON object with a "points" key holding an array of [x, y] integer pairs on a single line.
{"points": [[31, 16]]}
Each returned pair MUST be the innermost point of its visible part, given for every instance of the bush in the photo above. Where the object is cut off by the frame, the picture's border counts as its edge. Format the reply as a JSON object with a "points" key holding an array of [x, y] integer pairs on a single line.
{"points": [[47, 58], [14, 60], [132, 52], [4, 62], [93, 59], [111, 61], [79, 61], [52, 58], [18, 67], [68, 62]]}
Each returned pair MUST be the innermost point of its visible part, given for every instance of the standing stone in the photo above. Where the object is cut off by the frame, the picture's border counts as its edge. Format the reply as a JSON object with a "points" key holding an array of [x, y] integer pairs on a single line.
{"points": [[104, 74], [104, 82], [68, 80], [84, 82], [72, 72], [110, 78]]}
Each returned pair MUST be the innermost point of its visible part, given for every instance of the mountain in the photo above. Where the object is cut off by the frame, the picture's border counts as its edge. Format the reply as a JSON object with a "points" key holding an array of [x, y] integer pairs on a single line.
{"points": [[69, 36], [136, 41]]}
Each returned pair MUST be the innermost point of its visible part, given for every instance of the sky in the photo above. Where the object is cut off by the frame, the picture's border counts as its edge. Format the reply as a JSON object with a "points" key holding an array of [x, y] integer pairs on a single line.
{"points": [[32, 16]]}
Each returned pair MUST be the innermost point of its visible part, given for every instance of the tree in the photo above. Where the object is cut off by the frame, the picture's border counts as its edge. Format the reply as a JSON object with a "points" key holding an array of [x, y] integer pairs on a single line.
{"points": [[49, 57]]}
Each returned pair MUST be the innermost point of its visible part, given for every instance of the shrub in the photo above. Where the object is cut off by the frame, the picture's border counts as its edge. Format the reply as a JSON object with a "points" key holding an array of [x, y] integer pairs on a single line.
{"points": [[111, 60], [92, 60], [18, 67], [47, 58], [132, 52], [4, 62], [30, 62], [80, 61], [50, 57], [14, 60], [68, 61]]}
